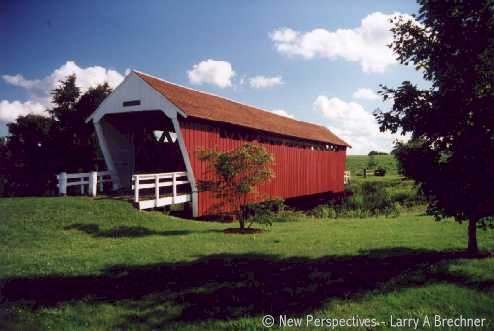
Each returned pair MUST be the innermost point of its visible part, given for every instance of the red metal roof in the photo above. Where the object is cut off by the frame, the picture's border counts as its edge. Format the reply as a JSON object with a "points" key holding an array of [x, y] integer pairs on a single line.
{"points": [[214, 108]]}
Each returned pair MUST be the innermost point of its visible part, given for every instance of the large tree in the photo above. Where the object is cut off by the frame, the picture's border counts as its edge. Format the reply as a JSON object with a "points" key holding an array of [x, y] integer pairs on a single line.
{"points": [[75, 138], [451, 122], [38, 146]]}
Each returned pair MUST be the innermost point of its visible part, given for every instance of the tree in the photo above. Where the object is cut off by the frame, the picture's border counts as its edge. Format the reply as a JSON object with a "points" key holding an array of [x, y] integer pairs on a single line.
{"points": [[236, 174], [38, 147], [30, 158], [377, 153], [451, 123], [77, 140]]}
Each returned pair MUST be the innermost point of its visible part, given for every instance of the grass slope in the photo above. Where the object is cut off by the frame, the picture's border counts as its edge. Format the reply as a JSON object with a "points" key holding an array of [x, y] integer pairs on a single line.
{"points": [[356, 163], [77, 263]]}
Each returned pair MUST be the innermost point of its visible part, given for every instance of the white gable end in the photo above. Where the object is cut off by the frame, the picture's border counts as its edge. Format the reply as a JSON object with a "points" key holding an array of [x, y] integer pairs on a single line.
{"points": [[134, 89]]}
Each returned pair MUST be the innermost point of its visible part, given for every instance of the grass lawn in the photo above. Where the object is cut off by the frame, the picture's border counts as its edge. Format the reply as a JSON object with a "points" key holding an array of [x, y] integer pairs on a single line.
{"points": [[75, 263]]}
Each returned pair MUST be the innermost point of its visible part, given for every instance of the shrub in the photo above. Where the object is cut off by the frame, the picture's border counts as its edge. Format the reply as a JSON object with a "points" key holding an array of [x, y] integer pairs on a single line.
{"points": [[365, 200], [401, 197], [408, 197], [323, 211], [376, 199], [263, 208], [262, 212], [287, 216]]}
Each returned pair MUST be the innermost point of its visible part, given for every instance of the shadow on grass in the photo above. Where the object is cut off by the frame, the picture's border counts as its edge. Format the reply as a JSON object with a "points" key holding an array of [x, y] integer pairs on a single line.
{"points": [[123, 231], [222, 287]]}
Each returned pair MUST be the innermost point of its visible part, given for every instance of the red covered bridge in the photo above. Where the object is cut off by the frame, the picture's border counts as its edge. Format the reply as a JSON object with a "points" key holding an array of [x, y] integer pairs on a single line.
{"points": [[150, 130]]}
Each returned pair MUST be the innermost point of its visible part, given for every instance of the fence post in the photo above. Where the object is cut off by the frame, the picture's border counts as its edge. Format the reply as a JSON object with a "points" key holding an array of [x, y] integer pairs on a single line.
{"points": [[157, 188], [174, 187], [62, 183], [93, 181], [136, 188]]}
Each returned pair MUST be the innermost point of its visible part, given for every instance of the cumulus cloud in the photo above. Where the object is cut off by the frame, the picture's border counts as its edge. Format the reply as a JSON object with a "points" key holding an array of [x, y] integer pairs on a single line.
{"points": [[19, 80], [354, 124], [39, 89], [284, 35], [219, 73], [282, 112], [365, 44], [9, 111], [365, 94], [263, 81]]}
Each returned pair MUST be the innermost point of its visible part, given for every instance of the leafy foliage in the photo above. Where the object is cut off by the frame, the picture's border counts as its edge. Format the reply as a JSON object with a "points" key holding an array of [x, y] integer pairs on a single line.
{"points": [[361, 200], [263, 212], [236, 174], [39, 147], [451, 123]]}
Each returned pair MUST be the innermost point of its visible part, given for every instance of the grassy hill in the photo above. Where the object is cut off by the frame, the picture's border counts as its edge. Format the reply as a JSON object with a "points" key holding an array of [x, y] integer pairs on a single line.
{"points": [[78, 263], [356, 163]]}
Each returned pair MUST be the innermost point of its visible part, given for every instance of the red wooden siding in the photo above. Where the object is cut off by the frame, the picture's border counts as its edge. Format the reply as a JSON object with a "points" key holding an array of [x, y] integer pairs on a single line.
{"points": [[298, 171]]}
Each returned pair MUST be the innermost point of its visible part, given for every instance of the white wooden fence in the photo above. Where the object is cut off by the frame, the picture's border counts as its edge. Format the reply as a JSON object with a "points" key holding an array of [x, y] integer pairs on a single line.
{"points": [[347, 177], [93, 180], [156, 181]]}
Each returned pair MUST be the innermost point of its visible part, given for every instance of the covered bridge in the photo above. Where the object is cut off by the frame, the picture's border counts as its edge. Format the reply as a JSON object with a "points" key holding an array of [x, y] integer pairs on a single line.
{"points": [[150, 126]]}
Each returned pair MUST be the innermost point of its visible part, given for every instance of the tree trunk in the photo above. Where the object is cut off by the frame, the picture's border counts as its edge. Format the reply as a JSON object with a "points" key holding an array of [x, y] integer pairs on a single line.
{"points": [[473, 248], [242, 224]]}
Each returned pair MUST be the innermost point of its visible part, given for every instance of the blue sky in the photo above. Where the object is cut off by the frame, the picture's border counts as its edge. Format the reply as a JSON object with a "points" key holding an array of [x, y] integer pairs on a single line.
{"points": [[304, 59]]}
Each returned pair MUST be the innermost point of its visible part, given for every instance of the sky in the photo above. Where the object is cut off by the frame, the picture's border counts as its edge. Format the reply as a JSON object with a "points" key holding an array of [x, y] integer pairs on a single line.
{"points": [[316, 61]]}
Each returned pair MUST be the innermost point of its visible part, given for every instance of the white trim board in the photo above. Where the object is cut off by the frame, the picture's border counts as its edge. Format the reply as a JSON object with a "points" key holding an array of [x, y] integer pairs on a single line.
{"points": [[134, 87]]}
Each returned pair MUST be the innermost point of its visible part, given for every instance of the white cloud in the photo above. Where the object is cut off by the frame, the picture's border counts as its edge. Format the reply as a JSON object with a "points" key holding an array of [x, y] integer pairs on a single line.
{"points": [[9, 111], [365, 94], [40, 89], [365, 44], [284, 35], [219, 73], [19, 80], [282, 112], [354, 124], [263, 81]]}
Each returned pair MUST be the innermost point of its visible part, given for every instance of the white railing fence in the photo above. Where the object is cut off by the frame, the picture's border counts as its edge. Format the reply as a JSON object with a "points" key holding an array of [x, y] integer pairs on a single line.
{"points": [[347, 177], [94, 180], [157, 181]]}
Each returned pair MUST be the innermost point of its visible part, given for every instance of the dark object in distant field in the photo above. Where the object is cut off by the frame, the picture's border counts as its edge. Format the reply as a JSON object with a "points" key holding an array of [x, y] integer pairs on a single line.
{"points": [[380, 171]]}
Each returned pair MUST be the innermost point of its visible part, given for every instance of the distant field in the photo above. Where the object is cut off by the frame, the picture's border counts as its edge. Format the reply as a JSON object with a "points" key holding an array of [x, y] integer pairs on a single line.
{"points": [[356, 163], [77, 263]]}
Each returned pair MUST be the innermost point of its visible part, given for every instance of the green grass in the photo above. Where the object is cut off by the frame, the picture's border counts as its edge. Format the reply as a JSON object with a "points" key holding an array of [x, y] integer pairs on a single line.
{"points": [[77, 264], [356, 164]]}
